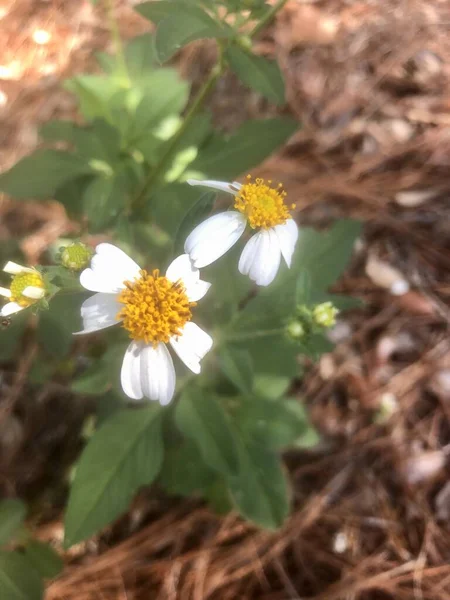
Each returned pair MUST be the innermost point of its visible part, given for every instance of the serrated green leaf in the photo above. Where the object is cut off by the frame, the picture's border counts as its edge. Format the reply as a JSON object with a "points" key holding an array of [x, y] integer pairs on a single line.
{"points": [[40, 174], [184, 24], [192, 218], [12, 515], [44, 559], [237, 365], [202, 419], [258, 73], [123, 455], [226, 158], [260, 492], [95, 94], [18, 578]]}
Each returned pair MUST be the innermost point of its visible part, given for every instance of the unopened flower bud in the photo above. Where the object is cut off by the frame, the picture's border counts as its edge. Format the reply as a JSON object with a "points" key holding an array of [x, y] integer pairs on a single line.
{"points": [[295, 330], [325, 314], [76, 257]]}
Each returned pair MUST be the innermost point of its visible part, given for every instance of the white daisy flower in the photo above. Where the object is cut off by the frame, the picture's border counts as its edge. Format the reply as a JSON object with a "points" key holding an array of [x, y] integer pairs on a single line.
{"points": [[155, 310], [261, 206], [27, 287]]}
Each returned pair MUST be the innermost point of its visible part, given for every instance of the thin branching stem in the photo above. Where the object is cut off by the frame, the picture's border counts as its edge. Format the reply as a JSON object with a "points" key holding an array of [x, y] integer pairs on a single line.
{"points": [[118, 45]]}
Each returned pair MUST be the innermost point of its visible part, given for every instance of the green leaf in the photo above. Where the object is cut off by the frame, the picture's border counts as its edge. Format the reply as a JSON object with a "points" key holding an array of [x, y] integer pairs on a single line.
{"points": [[123, 455], [103, 200], [140, 56], [237, 365], [44, 559], [258, 73], [156, 11], [71, 195], [58, 324], [98, 377], [202, 419], [184, 471], [18, 579], [275, 424], [166, 94], [95, 94], [226, 158], [260, 492], [183, 25], [12, 515], [199, 211], [40, 174]]}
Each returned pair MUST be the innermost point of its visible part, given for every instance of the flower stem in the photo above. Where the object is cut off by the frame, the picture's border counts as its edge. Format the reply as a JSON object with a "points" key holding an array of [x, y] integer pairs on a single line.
{"points": [[254, 335], [118, 45], [172, 146], [268, 17]]}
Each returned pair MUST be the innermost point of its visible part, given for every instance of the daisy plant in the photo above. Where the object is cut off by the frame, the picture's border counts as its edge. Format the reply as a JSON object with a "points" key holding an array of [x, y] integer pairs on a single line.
{"points": [[189, 345]]}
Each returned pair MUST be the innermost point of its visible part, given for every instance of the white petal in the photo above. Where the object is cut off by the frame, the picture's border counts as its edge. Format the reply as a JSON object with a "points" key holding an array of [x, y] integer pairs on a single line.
{"points": [[215, 236], [222, 186], [10, 308], [130, 375], [192, 345], [5, 292], [99, 311], [110, 268], [13, 268], [261, 257], [287, 237], [183, 269], [33, 292], [157, 373]]}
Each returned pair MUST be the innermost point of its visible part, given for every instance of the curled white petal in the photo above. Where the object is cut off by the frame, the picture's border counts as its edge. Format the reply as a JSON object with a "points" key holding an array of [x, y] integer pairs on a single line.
{"points": [[5, 292], [13, 268], [183, 269], [110, 268], [214, 237], [157, 373], [222, 186], [33, 292], [287, 237], [192, 345], [10, 309], [261, 257], [130, 375], [99, 311]]}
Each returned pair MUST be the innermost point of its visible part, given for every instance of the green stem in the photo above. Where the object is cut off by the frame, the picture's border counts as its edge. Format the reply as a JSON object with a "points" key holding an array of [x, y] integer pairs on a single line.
{"points": [[268, 17], [118, 46], [172, 146]]}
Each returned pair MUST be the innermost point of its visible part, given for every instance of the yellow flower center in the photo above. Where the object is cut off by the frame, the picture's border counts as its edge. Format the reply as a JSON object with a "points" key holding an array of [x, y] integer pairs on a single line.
{"points": [[263, 205], [155, 308], [20, 282]]}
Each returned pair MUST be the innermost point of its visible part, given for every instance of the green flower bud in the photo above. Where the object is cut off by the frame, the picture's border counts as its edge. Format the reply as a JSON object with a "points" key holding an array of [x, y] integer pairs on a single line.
{"points": [[295, 330], [325, 314], [76, 257]]}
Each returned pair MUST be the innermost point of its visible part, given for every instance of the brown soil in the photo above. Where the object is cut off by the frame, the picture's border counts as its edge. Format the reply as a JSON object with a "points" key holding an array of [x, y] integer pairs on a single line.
{"points": [[369, 82]]}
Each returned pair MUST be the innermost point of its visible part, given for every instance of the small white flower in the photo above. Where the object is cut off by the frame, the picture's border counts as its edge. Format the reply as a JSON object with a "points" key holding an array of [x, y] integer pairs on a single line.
{"points": [[155, 310], [262, 207], [27, 287]]}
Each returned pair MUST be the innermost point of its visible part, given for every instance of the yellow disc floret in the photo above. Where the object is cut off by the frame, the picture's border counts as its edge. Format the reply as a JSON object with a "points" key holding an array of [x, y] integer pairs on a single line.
{"points": [[20, 282], [263, 205], [155, 308]]}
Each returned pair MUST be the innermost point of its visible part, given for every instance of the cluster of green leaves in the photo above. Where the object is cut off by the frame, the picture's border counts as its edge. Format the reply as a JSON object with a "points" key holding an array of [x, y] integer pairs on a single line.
{"points": [[24, 562]]}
